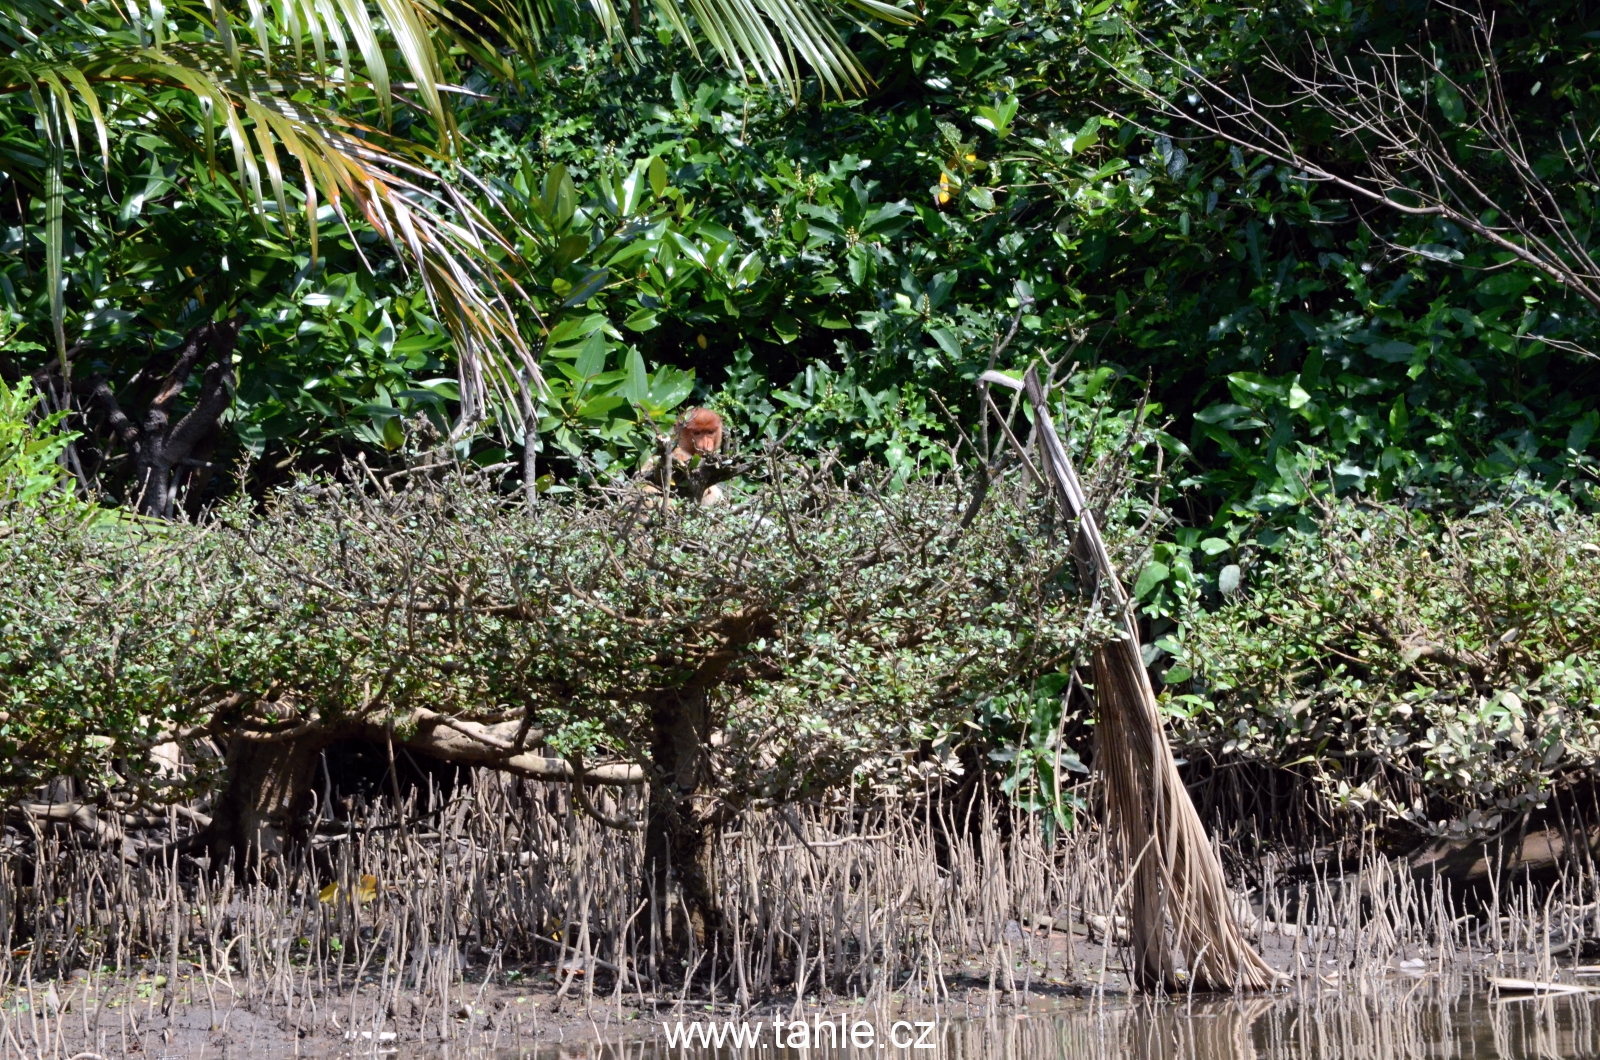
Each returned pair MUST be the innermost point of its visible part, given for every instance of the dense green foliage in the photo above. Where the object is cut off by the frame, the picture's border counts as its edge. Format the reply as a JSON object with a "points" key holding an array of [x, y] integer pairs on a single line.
{"points": [[846, 260], [30, 450], [126, 237], [837, 631], [1288, 334], [836, 271], [1440, 673]]}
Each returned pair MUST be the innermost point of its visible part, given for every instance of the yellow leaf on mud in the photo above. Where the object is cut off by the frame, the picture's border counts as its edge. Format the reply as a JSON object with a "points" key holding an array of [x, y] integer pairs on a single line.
{"points": [[366, 891]]}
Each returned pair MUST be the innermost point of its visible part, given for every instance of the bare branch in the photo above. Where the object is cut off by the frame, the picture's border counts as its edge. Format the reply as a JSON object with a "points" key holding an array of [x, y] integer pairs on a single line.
{"points": [[1412, 116]]}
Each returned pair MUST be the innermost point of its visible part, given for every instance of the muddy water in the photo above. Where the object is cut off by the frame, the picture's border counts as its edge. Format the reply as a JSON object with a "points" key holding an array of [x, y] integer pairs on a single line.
{"points": [[1396, 1020]]}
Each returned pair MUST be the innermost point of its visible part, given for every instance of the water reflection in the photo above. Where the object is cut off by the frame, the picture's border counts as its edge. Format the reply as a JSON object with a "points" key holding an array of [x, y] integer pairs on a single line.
{"points": [[1396, 1020]]}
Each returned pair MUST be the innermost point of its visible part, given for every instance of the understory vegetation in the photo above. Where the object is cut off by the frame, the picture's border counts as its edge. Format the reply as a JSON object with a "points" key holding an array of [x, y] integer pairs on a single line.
{"points": [[817, 633], [1434, 674]]}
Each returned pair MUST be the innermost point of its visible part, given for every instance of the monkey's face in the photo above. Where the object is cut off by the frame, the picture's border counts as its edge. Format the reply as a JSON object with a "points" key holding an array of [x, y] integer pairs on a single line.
{"points": [[700, 433]]}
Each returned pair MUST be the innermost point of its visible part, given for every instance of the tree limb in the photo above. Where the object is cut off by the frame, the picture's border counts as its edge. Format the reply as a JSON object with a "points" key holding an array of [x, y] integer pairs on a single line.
{"points": [[1407, 165]]}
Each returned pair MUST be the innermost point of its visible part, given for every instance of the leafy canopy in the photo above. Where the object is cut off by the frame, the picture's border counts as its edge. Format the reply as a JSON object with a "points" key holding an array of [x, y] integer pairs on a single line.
{"points": [[836, 630]]}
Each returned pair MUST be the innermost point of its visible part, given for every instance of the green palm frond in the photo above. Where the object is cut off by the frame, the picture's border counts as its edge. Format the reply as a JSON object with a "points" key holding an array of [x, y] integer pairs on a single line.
{"points": [[251, 79], [774, 40]]}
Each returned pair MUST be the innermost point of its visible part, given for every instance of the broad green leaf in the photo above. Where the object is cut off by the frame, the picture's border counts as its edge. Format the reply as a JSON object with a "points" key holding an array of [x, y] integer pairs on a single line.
{"points": [[947, 341], [1399, 418], [636, 388], [591, 357], [640, 320], [671, 387], [997, 119], [601, 406], [560, 197], [568, 251], [1152, 576], [571, 328], [1583, 432], [1449, 100], [591, 284]]}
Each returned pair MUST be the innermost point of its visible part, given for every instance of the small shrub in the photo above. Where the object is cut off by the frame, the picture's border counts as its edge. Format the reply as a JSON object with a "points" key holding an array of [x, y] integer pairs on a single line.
{"points": [[30, 449]]}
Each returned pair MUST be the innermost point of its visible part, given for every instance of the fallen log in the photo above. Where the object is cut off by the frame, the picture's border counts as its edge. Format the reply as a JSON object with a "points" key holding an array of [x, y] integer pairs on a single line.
{"points": [[1540, 852]]}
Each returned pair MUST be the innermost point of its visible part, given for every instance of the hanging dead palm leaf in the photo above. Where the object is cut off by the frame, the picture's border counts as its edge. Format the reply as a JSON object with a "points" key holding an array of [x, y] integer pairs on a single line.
{"points": [[1182, 925]]}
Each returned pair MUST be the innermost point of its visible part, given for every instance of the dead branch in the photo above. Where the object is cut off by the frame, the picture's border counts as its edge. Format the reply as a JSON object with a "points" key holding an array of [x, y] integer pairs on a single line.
{"points": [[1435, 143]]}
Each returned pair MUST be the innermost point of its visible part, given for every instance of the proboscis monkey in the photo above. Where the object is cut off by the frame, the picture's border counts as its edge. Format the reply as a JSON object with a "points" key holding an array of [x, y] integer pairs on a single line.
{"points": [[698, 433]]}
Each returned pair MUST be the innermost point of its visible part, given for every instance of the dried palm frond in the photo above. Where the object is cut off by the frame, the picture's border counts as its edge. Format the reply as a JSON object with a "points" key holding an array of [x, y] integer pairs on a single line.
{"points": [[1183, 929]]}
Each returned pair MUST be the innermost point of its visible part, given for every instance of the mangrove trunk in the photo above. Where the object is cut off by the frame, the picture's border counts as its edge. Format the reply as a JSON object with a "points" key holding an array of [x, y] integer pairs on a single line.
{"points": [[265, 802], [680, 829]]}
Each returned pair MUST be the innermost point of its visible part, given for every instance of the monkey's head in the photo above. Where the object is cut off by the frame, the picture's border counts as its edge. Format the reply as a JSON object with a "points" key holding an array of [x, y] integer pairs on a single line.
{"points": [[698, 433]]}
